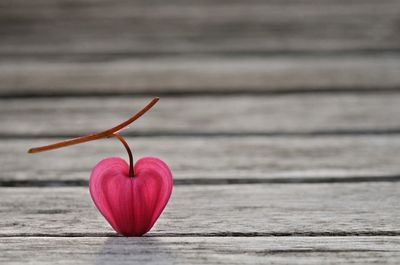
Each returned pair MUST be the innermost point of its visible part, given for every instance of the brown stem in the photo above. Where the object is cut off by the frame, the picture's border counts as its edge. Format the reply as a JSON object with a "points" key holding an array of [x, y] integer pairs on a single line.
{"points": [[122, 140], [96, 136]]}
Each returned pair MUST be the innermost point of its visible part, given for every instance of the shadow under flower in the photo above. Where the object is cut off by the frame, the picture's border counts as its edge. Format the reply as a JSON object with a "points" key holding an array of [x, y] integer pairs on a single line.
{"points": [[135, 250]]}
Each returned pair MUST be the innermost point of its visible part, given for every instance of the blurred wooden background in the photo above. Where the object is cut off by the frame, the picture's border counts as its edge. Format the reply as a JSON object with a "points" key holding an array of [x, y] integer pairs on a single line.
{"points": [[279, 119]]}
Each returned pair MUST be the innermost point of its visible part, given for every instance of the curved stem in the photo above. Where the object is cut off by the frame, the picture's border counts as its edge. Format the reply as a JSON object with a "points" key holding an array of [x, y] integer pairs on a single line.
{"points": [[122, 140], [95, 136]]}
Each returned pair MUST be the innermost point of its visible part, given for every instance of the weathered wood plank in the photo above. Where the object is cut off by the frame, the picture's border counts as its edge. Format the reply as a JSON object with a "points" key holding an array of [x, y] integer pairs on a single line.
{"points": [[198, 75], [214, 250], [197, 26], [351, 209], [204, 115], [206, 159]]}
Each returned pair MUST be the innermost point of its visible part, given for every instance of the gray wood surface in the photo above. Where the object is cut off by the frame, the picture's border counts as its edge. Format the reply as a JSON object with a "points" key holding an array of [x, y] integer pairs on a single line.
{"points": [[207, 160], [232, 115], [105, 26], [279, 119], [203, 250], [249, 210], [44, 76]]}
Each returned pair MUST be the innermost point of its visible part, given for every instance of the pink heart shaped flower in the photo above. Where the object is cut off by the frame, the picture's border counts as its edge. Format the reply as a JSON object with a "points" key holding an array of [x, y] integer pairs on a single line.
{"points": [[130, 197], [131, 204]]}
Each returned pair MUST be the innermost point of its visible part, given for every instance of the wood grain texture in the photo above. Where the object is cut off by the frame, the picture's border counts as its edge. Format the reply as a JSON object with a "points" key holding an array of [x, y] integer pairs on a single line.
{"points": [[232, 115], [203, 250], [106, 26], [325, 164], [205, 159], [41, 76], [302, 209]]}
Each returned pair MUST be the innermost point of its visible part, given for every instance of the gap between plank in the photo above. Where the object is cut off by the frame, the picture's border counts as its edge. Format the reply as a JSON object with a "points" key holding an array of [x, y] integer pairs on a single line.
{"points": [[122, 54], [220, 92], [220, 234], [211, 181], [172, 134]]}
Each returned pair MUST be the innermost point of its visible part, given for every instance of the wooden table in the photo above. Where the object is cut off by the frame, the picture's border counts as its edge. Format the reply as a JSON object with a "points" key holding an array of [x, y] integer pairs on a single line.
{"points": [[279, 119]]}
